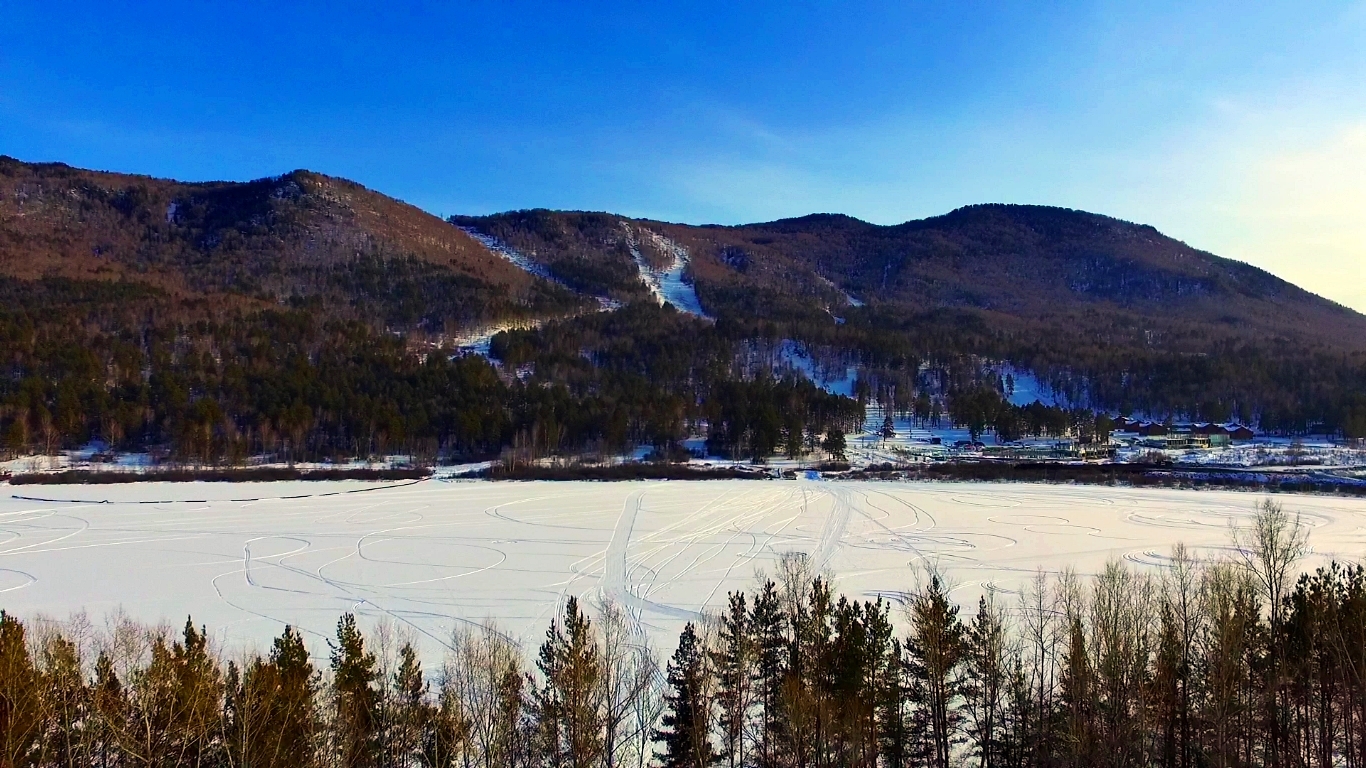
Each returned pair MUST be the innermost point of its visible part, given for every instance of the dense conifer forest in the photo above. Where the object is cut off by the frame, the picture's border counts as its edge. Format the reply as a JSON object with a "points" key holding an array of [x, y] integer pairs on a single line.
{"points": [[1236, 661]]}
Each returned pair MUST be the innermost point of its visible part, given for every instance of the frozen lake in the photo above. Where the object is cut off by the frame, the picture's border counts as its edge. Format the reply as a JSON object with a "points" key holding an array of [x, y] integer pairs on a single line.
{"points": [[245, 559]]}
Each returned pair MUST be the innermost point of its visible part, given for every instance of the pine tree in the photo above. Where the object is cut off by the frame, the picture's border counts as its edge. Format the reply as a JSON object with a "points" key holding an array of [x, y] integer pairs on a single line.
{"points": [[792, 434], [894, 739], [569, 703], [1165, 690], [68, 703], [355, 697], [888, 430], [934, 653], [270, 707], [734, 660], [834, 443], [294, 711], [413, 714], [812, 440], [771, 647], [861, 669], [1079, 698], [21, 698], [883, 656], [198, 695], [985, 679], [109, 713], [813, 734], [685, 735], [175, 703]]}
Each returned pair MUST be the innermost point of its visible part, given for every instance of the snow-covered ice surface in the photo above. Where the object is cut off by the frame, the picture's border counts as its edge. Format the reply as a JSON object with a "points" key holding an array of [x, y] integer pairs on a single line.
{"points": [[667, 284], [247, 558]]}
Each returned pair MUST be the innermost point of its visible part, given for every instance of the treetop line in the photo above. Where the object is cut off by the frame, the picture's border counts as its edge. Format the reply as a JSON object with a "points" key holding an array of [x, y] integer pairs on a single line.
{"points": [[1234, 662]]}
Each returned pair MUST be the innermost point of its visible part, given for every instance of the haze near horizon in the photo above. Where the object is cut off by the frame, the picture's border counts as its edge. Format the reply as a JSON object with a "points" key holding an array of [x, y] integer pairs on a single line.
{"points": [[1240, 130]]}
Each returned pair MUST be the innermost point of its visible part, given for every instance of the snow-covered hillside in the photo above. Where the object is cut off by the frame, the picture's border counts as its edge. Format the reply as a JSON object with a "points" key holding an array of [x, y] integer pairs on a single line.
{"points": [[519, 259], [668, 284], [788, 356]]}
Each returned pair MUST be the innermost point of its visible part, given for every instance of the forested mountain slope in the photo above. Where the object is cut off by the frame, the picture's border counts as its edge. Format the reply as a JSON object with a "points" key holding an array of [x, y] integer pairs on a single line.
{"points": [[1115, 314], [1029, 264], [307, 316], [298, 239]]}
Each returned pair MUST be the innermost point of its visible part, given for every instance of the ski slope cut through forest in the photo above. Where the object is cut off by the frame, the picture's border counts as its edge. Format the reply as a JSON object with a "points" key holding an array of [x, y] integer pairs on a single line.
{"points": [[247, 558], [518, 259], [668, 284]]}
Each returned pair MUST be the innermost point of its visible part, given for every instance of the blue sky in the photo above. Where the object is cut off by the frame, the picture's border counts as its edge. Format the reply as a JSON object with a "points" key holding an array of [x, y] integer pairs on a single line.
{"points": [[1237, 127]]}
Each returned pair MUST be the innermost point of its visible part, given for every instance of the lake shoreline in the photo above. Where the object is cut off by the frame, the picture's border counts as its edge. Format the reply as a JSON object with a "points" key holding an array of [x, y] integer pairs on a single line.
{"points": [[1298, 480]]}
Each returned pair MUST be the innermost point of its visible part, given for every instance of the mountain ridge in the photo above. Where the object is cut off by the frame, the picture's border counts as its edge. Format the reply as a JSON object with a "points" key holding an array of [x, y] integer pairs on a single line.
{"points": [[422, 239], [309, 314], [1029, 262], [299, 236]]}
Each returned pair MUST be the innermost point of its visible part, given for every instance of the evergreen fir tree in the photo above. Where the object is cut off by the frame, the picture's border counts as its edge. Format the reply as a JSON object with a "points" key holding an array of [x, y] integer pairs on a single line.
{"points": [[734, 661], [934, 654], [685, 735], [355, 697], [413, 715], [569, 714], [771, 647], [888, 430], [21, 697], [894, 747], [985, 680], [294, 712], [834, 443], [1079, 698], [109, 711], [68, 702]]}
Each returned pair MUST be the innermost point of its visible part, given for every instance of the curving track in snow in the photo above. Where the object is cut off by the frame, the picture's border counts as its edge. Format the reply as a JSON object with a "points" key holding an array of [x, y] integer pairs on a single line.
{"points": [[429, 555]]}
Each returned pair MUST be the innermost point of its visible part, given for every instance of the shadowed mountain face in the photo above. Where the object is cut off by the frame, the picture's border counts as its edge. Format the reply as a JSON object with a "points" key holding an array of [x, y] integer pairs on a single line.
{"points": [[1018, 266], [301, 238]]}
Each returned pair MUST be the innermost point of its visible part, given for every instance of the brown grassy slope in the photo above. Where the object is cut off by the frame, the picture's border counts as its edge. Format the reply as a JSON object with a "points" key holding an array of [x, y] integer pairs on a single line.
{"points": [[300, 236]]}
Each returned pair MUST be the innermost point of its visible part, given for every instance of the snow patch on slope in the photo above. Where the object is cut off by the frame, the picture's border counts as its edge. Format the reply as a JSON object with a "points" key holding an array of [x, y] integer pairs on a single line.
{"points": [[848, 297], [476, 340], [518, 259], [1029, 389], [837, 380], [667, 284]]}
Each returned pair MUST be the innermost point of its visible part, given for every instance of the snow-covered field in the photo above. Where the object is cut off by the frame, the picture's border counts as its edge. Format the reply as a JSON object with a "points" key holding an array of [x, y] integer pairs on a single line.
{"points": [[247, 558]]}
